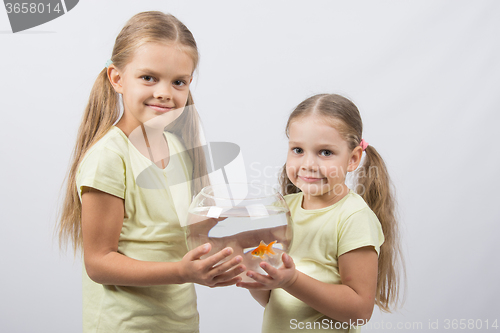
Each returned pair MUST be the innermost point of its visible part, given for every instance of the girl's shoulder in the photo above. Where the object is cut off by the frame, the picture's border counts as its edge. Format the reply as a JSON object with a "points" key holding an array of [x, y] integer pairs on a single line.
{"points": [[111, 149], [114, 140], [354, 201], [353, 205], [104, 165], [293, 199]]}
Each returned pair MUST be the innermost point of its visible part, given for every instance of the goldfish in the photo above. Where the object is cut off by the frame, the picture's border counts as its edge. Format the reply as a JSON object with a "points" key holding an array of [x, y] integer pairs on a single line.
{"points": [[263, 249]]}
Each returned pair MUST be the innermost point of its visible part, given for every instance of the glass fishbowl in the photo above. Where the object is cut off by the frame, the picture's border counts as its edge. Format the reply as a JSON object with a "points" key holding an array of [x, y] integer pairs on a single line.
{"points": [[252, 219]]}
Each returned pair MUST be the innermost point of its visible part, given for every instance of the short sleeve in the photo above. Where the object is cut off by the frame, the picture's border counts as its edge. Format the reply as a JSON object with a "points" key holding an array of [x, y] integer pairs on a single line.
{"points": [[359, 230], [104, 170]]}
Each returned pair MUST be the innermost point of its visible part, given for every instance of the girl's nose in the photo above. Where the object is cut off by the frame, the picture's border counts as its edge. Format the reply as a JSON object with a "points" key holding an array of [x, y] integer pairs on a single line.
{"points": [[163, 91], [309, 162]]}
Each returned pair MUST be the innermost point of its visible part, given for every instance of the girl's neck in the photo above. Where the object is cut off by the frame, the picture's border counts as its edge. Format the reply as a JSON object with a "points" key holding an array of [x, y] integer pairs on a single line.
{"points": [[149, 141], [129, 127], [157, 146], [328, 199]]}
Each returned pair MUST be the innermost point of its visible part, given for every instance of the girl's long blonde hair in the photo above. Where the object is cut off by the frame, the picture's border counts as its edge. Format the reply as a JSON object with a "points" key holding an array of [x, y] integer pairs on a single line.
{"points": [[372, 183], [102, 111]]}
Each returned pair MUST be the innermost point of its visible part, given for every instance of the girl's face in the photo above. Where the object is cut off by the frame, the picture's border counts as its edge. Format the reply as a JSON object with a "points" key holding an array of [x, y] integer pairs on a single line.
{"points": [[154, 83], [318, 160]]}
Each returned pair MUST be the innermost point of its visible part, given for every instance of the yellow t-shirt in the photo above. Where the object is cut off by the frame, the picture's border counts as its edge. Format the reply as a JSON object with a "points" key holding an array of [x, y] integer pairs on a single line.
{"points": [[151, 231], [320, 236]]}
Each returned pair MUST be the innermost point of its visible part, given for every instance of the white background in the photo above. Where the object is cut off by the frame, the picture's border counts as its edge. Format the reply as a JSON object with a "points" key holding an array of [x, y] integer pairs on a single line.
{"points": [[425, 75]]}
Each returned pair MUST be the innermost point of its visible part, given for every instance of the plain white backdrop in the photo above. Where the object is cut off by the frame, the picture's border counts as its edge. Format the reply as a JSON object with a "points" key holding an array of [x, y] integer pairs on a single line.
{"points": [[425, 75]]}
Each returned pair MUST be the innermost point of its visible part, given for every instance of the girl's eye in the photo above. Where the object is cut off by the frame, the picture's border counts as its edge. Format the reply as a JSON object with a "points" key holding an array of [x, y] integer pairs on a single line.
{"points": [[148, 78], [326, 153], [179, 83], [297, 150]]}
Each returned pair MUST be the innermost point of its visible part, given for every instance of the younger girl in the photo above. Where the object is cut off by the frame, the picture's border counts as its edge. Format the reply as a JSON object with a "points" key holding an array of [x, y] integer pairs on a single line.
{"points": [[340, 268], [125, 199]]}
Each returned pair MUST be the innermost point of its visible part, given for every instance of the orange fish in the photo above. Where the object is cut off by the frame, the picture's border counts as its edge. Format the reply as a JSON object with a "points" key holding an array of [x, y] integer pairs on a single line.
{"points": [[263, 249]]}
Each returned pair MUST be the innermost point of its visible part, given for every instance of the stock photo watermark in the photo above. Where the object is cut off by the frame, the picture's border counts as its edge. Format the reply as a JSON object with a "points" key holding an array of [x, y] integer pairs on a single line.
{"points": [[436, 324], [24, 15]]}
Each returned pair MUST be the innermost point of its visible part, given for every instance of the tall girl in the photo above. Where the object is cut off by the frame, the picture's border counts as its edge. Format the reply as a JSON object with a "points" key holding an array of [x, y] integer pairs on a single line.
{"points": [[138, 272], [345, 247]]}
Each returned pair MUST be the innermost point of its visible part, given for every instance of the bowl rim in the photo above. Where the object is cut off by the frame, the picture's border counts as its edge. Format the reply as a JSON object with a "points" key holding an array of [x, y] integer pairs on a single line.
{"points": [[267, 194]]}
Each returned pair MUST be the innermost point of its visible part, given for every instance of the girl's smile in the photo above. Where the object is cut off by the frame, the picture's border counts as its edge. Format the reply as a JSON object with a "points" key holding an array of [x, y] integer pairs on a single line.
{"points": [[160, 108], [311, 179]]}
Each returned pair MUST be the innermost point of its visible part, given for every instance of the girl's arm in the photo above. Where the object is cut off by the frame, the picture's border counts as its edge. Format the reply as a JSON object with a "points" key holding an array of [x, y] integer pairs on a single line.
{"points": [[102, 220], [352, 300]]}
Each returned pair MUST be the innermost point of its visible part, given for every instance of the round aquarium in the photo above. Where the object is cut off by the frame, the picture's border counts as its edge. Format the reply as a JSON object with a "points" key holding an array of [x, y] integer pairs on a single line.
{"points": [[252, 219]]}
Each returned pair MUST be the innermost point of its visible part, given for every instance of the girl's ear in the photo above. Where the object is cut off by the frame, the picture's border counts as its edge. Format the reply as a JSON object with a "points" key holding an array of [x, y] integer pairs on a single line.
{"points": [[355, 159], [115, 77]]}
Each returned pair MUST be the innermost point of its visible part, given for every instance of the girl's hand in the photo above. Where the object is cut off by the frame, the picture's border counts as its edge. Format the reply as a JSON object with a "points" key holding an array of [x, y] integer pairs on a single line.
{"points": [[282, 277], [208, 271]]}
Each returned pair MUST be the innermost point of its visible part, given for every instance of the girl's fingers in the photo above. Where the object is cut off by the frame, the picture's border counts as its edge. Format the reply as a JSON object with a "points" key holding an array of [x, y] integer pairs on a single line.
{"points": [[215, 258], [287, 260], [263, 279], [228, 265], [229, 276], [250, 285], [269, 268], [198, 252], [234, 280]]}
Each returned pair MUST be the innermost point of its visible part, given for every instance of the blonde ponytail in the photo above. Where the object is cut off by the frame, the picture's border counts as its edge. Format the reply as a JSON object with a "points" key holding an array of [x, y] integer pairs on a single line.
{"points": [[374, 185], [100, 114]]}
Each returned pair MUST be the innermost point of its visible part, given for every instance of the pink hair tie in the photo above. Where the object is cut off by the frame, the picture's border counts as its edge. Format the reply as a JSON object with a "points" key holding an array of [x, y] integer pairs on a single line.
{"points": [[363, 144]]}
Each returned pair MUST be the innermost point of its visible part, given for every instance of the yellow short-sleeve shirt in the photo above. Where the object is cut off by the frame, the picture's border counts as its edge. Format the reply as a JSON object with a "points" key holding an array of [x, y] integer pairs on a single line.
{"points": [[155, 200], [320, 236]]}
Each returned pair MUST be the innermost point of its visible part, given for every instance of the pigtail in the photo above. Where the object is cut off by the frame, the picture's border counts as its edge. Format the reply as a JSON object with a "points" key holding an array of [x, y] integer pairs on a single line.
{"points": [[100, 114], [374, 185]]}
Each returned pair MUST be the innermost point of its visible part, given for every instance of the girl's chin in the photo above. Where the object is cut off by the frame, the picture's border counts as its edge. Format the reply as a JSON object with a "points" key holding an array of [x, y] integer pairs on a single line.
{"points": [[163, 120], [325, 190], [314, 190]]}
